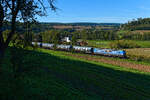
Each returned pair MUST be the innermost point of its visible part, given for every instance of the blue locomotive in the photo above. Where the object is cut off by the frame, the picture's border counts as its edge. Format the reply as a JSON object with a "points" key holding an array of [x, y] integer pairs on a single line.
{"points": [[88, 50]]}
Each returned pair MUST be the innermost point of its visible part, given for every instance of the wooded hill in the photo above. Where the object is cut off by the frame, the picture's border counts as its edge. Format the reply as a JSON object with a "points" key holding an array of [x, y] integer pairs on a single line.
{"points": [[138, 24], [41, 27]]}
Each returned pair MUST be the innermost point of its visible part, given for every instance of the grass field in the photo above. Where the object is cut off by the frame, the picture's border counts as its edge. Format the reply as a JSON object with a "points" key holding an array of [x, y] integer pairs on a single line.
{"points": [[51, 75], [105, 44], [99, 43]]}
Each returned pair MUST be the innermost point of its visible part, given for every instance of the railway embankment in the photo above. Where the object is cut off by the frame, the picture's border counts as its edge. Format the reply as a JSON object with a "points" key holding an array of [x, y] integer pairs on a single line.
{"points": [[126, 64]]}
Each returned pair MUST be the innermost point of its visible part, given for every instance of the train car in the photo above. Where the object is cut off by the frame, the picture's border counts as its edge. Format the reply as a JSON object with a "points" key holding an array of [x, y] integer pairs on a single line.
{"points": [[64, 47], [83, 49], [109, 52], [37, 43], [48, 46], [120, 53], [100, 51], [88, 50]]}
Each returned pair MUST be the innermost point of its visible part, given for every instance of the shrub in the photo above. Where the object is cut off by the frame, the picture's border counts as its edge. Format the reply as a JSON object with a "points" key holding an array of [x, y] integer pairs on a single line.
{"points": [[123, 44]]}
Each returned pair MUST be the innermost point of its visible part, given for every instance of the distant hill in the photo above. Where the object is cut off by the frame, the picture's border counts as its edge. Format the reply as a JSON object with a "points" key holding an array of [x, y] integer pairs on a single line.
{"points": [[83, 24], [138, 24], [43, 26]]}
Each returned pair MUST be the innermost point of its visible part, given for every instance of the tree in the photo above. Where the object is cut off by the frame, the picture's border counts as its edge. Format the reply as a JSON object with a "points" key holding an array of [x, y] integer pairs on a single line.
{"points": [[47, 36], [74, 38], [20, 10], [84, 35], [55, 38]]}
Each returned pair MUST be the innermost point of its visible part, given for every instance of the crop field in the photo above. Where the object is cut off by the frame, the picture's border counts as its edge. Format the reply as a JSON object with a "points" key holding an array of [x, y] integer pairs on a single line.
{"points": [[140, 31], [71, 27], [81, 27], [142, 53], [54, 75]]}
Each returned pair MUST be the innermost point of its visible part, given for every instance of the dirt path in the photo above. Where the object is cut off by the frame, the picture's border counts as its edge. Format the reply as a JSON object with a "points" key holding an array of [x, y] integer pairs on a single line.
{"points": [[126, 64]]}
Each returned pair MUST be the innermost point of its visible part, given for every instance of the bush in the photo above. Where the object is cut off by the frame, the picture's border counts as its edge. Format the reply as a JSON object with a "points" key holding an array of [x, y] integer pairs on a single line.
{"points": [[123, 44]]}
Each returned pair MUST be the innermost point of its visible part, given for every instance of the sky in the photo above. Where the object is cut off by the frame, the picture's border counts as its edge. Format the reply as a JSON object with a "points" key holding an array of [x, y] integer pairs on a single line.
{"points": [[99, 11]]}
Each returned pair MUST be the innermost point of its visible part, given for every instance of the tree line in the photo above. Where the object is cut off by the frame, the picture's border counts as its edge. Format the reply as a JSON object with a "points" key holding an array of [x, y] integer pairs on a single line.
{"points": [[137, 24]]}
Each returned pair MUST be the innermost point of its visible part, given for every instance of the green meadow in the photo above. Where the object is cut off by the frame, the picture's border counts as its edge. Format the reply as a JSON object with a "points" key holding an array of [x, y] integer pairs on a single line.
{"points": [[105, 44], [51, 75]]}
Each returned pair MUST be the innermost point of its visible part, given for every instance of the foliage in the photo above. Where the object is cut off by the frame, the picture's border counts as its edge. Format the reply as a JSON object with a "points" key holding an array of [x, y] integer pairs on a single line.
{"points": [[5, 34], [47, 36], [19, 10], [137, 24], [74, 39], [122, 44]]}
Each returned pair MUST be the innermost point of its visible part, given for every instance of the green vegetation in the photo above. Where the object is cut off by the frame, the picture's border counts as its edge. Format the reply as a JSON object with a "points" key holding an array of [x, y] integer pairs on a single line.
{"points": [[106, 44], [123, 44], [138, 24], [98, 43], [28, 73], [46, 74], [134, 53], [143, 44]]}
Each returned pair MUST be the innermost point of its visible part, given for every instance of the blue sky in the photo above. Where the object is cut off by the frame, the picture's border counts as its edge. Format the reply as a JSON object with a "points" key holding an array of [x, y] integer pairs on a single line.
{"points": [[107, 11]]}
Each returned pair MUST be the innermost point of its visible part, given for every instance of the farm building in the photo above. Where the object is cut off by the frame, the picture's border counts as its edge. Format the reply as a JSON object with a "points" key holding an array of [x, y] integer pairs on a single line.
{"points": [[66, 39]]}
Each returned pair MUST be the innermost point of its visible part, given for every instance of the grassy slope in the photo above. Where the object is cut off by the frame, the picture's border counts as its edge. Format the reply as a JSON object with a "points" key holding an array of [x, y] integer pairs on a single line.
{"points": [[49, 75]]}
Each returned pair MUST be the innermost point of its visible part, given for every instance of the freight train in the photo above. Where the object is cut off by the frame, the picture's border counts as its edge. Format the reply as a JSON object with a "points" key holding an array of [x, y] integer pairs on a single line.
{"points": [[87, 50]]}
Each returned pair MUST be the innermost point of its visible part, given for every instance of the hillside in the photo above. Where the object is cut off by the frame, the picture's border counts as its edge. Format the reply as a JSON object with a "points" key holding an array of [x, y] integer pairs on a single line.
{"points": [[52, 75], [82, 24], [37, 27], [138, 24]]}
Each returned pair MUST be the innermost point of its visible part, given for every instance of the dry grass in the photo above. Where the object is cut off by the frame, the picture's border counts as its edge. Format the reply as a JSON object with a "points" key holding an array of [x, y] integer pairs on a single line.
{"points": [[139, 52], [141, 31]]}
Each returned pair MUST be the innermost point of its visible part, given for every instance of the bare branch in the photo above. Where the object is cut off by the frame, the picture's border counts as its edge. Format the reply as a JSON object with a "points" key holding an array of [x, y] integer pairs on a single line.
{"points": [[41, 2], [9, 6], [52, 2]]}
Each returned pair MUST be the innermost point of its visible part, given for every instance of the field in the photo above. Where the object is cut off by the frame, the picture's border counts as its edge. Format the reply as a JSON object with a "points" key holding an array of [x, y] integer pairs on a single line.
{"points": [[79, 27], [142, 53], [71, 27], [98, 43], [141, 31], [139, 53], [105, 44], [55, 75]]}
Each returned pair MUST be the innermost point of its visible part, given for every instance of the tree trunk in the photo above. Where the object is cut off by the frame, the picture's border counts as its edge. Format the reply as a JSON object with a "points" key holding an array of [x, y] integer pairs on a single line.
{"points": [[2, 51], [1, 36]]}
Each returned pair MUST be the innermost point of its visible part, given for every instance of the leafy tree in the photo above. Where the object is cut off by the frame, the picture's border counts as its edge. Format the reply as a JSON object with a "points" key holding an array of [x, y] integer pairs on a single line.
{"points": [[20, 10], [55, 38], [74, 38], [47, 36], [84, 35]]}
